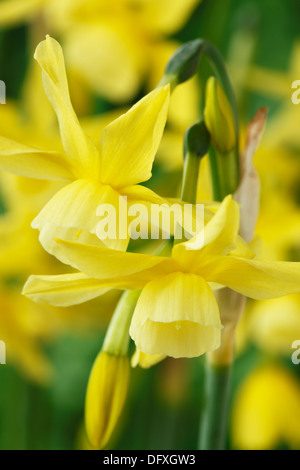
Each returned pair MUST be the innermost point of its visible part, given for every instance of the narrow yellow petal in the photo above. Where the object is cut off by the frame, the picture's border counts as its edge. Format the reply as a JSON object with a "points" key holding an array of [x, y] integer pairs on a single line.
{"points": [[63, 290], [104, 263], [129, 144], [31, 162], [255, 278], [218, 238], [76, 143], [146, 360]]}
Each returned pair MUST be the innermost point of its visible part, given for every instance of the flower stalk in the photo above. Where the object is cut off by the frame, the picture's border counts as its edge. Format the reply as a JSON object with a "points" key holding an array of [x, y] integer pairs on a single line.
{"points": [[117, 338], [196, 145], [215, 407], [219, 363]]}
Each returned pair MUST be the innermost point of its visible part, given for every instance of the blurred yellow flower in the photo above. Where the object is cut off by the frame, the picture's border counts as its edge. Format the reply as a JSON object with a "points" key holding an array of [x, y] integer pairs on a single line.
{"points": [[115, 45], [266, 410], [272, 325], [24, 328], [278, 240], [14, 11], [271, 82]]}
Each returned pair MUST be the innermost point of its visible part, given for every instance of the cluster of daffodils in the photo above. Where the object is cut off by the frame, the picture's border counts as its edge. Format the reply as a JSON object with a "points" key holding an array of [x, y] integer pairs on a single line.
{"points": [[184, 300], [112, 48]]}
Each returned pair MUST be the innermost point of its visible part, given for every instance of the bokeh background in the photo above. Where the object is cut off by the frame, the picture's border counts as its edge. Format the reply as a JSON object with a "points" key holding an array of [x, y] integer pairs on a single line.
{"points": [[115, 52]]}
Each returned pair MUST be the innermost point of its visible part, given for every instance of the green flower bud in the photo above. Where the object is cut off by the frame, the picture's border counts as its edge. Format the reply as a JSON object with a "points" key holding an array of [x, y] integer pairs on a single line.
{"points": [[197, 140], [184, 63]]}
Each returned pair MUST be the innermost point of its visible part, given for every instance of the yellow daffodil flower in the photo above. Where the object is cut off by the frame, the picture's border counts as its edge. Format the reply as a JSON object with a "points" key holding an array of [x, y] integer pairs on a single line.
{"points": [[177, 314], [266, 410], [272, 325], [271, 82], [94, 175]]}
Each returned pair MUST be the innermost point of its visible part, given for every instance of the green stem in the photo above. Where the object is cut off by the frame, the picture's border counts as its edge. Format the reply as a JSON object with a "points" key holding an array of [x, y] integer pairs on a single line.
{"points": [[189, 182], [215, 407], [215, 176], [190, 178], [117, 338], [165, 249]]}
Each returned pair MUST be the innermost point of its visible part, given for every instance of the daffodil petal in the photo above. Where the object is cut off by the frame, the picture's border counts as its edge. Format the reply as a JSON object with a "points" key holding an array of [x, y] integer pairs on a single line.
{"points": [[255, 278], [76, 143], [63, 290], [109, 264], [218, 237], [129, 144], [49, 233], [178, 316], [171, 211], [31, 162], [146, 360], [140, 194]]}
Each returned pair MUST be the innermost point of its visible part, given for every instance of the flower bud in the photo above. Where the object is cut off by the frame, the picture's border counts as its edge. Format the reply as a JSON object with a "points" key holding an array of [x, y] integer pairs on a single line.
{"points": [[105, 397], [219, 118], [184, 63], [197, 140]]}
